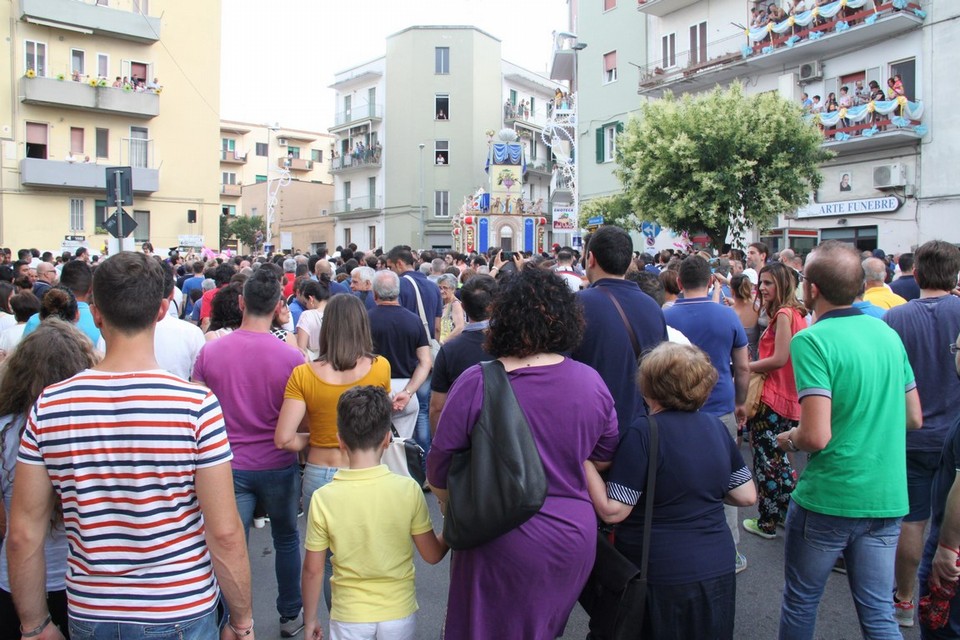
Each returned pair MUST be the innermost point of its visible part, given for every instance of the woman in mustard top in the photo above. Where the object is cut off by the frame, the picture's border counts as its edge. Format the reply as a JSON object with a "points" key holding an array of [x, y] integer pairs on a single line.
{"points": [[346, 360]]}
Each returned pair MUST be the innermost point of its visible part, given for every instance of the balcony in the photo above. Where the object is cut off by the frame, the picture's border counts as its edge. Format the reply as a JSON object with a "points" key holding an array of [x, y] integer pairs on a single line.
{"points": [[540, 168], [782, 45], [90, 17], [230, 190], [891, 123], [358, 204], [67, 94], [660, 8], [515, 116], [369, 159], [87, 176], [295, 164], [369, 114], [232, 157]]}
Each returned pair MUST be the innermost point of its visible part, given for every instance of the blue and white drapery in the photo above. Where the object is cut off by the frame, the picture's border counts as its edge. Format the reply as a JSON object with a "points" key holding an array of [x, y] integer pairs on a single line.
{"points": [[506, 153], [905, 112]]}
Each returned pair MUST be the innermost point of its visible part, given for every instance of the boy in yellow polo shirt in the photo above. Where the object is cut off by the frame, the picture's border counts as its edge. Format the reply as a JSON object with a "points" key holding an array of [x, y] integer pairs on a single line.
{"points": [[366, 517]]}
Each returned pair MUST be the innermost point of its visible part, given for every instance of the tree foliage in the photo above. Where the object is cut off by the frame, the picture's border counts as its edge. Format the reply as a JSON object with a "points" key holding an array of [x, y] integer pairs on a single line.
{"points": [[718, 162], [616, 210], [243, 228]]}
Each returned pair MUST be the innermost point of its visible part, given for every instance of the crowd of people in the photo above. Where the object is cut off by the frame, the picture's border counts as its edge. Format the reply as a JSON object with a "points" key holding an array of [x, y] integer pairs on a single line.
{"points": [[135, 459]]}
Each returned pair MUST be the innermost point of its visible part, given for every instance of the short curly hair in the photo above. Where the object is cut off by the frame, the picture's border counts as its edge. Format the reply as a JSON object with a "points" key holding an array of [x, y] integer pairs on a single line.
{"points": [[679, 377], [534, 312]]}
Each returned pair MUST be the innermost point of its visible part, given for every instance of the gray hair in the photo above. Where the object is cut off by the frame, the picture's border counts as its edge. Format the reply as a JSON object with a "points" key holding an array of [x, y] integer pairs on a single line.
{"points": [[386, 285], [208, 284], [364, 273], [438, 265], [426, 269], [874, 270], [448, 278]]}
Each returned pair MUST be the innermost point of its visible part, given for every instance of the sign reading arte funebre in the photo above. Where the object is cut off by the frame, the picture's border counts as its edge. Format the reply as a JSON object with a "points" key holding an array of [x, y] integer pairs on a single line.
{"points": [[850, 207]]}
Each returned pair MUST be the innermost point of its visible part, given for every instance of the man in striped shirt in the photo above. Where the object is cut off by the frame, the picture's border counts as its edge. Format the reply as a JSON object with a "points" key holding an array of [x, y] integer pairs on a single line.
{"points": [[140, 463]]}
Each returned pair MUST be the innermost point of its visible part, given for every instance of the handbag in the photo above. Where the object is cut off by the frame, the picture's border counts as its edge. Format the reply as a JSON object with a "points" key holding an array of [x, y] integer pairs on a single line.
{"points": [[754, 392], [499, 482], [404, 457], [434, 343], [615, 596]]}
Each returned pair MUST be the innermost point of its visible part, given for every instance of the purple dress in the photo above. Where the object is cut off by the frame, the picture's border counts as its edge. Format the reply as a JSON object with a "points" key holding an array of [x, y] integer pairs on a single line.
{"points": [[525, 583]]}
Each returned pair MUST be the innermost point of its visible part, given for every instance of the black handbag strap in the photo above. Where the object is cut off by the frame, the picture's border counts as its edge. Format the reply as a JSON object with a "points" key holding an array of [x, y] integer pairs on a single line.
{"points": [[651, 490], [626, 322]]}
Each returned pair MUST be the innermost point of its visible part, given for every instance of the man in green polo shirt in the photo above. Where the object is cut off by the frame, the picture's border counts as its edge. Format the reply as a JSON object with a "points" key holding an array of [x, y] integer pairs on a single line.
{"points": [[857, 394]]}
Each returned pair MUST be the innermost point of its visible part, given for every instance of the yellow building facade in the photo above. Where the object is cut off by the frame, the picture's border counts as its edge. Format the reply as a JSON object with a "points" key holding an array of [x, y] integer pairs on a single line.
{"points": [[101, 83]]}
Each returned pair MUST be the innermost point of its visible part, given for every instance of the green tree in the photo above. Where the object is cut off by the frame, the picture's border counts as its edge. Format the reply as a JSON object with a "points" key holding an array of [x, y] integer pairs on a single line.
{"points": [[616, 210], [243, 228], [719, 162]]}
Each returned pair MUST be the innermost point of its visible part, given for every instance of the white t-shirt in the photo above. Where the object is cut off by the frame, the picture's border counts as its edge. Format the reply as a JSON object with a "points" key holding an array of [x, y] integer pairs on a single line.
{"points": [[7, 320], [573, 281], [310, 321], [177, 344], [11, 337]]}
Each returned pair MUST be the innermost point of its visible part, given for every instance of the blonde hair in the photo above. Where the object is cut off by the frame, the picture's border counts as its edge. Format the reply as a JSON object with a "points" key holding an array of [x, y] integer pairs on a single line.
{"points": [[678, 377]]}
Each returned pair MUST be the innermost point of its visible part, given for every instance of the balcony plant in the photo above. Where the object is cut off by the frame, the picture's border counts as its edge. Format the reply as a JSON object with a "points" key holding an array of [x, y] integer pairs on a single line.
{"points": [[31, 73], [61, 76]]}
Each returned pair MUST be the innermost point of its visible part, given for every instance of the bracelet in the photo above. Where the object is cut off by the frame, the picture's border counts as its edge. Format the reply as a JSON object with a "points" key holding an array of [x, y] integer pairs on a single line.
{"points": [[241, 633], [956, 551], [793, 447], [37, 630]]}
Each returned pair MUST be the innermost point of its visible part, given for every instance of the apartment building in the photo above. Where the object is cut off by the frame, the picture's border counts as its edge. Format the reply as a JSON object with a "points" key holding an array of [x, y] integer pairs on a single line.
{"points": [[292, 164], [102, 83], [887, 186], [413, 131]]}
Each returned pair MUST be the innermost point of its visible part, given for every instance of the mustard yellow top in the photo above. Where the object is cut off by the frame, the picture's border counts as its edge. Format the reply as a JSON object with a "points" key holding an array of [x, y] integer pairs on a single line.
{"points": [[321, 398]]}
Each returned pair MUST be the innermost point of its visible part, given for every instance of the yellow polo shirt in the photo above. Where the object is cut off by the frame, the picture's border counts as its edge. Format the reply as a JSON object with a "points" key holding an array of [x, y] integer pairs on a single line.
{"points": [[366, 517], [883, 297]]}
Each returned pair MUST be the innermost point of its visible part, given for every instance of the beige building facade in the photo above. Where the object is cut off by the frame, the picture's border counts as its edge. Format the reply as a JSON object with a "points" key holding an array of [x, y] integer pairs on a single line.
{"points": [[301, 213], [93, 87]]}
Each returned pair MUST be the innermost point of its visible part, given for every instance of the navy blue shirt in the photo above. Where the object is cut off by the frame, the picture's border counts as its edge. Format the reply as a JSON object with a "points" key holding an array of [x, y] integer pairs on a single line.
{"points": [[397, 334], [456, 356], [717, 330], [429, 292], [697, 464], [927, 327], [906, 287], [606, 345], [366, 297]]}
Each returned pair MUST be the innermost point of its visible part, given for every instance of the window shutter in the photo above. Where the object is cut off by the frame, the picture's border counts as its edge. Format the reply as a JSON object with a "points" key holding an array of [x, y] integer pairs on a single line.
{"points": [[599, 145]]}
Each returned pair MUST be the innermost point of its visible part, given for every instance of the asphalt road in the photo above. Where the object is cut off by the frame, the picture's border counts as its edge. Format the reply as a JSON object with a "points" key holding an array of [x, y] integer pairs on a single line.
{"points": [[759, 591]]}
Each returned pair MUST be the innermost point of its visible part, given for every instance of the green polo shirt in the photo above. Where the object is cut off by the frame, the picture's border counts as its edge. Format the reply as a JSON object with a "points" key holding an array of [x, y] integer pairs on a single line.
{"points": [[860, 364]]}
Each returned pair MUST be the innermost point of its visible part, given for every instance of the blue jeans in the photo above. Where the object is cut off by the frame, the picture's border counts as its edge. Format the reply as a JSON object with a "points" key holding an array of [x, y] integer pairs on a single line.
{"points": [[422, 431], [315, 477], [278, 491], [202, 628], [814, 541]]}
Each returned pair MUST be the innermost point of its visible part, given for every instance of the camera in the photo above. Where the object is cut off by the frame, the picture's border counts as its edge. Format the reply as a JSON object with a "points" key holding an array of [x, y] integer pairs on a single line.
{"points": [[506, 256]]}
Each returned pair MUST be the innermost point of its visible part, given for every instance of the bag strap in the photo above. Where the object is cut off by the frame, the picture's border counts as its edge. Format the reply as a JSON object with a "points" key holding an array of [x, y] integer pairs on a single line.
{"points": [[423, 315], [626, 323], [651, 491]]}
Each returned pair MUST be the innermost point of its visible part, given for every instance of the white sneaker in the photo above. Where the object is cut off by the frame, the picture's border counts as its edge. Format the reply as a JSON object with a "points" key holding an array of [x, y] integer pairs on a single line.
{"points": [[259, 523]]}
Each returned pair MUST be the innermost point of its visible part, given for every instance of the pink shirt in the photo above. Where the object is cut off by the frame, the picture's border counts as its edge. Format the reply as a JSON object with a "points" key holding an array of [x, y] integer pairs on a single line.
{"points": [[780, 388]]}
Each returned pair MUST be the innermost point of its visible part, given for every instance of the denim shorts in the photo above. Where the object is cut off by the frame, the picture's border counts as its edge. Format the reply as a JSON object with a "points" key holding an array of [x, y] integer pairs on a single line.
{"points": [[921, 470]]}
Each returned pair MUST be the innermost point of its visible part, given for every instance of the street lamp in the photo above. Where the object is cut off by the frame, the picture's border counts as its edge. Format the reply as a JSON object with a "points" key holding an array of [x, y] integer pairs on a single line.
{"points": [[421, 145]]}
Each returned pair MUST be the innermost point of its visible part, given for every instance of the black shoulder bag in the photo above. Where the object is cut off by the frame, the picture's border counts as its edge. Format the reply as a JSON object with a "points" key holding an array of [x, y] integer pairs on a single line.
{"points": [[499, 482], [615, 596]]}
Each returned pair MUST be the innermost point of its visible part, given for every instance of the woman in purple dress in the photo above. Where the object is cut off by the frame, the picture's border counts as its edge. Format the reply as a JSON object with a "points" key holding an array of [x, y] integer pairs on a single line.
{"points": [[525, 583]]}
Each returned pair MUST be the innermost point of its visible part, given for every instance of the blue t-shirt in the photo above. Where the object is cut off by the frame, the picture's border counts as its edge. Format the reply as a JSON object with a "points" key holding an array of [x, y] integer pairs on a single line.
{"points": [[366, 297], [606, 344], [906, 287], [295, 310], [697, 464], [397, 334], [927, 327], [717, 330], [429, 292], [869, 309], [191, 283], [85, 323]]}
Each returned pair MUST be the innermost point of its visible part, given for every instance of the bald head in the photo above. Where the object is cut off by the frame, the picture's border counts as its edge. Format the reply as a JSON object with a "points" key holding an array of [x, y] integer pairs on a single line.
{"points": [[834, 267], [874, 272]]}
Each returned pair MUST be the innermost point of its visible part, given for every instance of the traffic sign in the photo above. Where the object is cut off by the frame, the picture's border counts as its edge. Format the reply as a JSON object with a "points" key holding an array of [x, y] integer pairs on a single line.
{"points": [[595, 221], [129, 224]]}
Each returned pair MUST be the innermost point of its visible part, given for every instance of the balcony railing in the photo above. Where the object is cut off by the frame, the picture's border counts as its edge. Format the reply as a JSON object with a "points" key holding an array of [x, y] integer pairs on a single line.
{"points": [[231, 190], [876, 124], [232, 157], [369, 158], [136, 152], [542, 167], [295, 164], [358, 113], [89, 96], [88, 176], [515, 114], [661, 8], [806, 36], [357, 204], [92, 17]]}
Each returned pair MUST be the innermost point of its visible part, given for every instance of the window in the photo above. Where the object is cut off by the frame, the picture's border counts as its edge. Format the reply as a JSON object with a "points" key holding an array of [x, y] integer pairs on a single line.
{"points": [[316, 155], [142, 232], [229, 146], [533, 106], [372, 236], [669, 50], [76, 214], [442, 152], [36, 140], [347, 239], [229, 210], [103, 143], [607, 142], [441, 204], [258, 179], [441, 60], [76, 141], [35, 57], [907, 70], [139, 147], [78, 62], [103, 65], [293, 152], [698, 43], [441, 106], [229, 177], [610, 67], [609, 4], [513, 97], [99, 214]]}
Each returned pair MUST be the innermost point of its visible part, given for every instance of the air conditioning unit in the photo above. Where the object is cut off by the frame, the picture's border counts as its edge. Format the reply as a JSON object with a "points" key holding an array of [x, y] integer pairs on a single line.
{"points": [[810, 71], [889, 176], [282, 142]]}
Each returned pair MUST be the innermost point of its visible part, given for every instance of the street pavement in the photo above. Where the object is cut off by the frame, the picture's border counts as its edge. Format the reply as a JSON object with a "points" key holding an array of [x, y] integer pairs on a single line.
{"points": [[759, 590]]}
